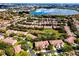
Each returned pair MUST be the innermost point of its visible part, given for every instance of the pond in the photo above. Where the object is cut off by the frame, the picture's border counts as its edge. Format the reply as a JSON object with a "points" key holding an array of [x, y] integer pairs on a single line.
{"points": [[43, 11]]}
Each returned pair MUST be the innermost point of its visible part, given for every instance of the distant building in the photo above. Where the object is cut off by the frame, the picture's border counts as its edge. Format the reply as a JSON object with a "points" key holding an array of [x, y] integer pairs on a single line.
{"points": [[68, 31], [57, 43], [41, 44], [77, 25], [10, 40], [70, 40]]}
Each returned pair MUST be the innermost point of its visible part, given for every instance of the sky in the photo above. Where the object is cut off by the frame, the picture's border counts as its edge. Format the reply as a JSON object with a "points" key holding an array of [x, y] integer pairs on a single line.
{"points": [[39, 1]]}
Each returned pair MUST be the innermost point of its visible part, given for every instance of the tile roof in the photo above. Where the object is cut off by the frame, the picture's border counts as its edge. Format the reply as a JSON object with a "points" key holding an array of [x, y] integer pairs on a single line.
{"points": [[17, 48], [41, 44], [77, 25], [68, 31], [9, 40], [56, 42], [70, 40]]}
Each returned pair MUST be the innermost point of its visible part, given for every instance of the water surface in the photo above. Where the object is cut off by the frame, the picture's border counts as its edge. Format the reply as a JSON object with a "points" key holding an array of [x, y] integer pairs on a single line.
{"points": [[43, 11]]}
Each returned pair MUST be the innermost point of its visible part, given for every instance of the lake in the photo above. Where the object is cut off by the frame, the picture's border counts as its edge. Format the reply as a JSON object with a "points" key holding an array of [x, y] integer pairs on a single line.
{"points": [[43, 11]]}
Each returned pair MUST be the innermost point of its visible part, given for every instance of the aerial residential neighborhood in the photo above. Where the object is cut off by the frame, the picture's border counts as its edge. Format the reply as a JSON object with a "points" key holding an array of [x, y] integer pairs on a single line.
{"points": [[39, 29]]}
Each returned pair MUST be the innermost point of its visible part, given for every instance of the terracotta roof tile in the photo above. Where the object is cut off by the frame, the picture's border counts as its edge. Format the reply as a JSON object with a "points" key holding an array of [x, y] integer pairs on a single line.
{"points": [[10, 40], [56, 42], [17, 48], [41, 44], [70, 39]]}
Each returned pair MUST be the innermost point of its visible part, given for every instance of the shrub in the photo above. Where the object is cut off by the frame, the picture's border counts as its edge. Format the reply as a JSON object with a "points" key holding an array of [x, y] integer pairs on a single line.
{"points": [[9, 51]]}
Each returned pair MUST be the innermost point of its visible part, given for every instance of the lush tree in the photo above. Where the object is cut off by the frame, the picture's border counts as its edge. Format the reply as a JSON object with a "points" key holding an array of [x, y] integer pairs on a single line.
{"points": [[40, 54], [63, 36], [23, 46], [55, 33], [19, 38], [50, 47], [77, 41], [12, 34], [2, 30], [72, 26], [67, 48], [30, 44], [9, 51], [77, 33], [6, 35], [3, 45], [2, 52], [50, 34], [7, 48], [28, 37], [23, 53]]}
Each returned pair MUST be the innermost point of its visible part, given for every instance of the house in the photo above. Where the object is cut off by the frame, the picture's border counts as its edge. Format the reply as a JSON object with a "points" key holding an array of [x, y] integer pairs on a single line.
{"points": [[17, 48], [65, 19], [41, 44], [4, 22], [70, 40], [77, 25], [57, 43], [68, 31], [10, 40]]}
